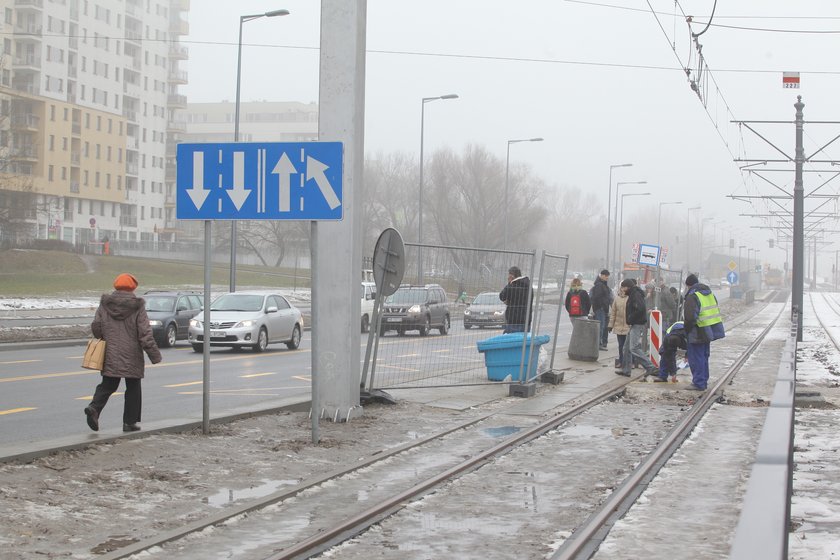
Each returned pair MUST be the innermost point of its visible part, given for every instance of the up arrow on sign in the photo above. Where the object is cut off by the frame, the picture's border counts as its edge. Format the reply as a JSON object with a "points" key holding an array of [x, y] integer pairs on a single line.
{"points": [[284, 170]]}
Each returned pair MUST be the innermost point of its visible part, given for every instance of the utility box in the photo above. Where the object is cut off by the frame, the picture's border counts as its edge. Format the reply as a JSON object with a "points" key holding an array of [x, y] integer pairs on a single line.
{"points": [[503, 355], [584, 342]]}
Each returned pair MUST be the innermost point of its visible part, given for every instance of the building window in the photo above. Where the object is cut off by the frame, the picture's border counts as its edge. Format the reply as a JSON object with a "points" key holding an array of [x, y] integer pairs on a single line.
{"points": [[98, 123], [63, 173], [52, 111], [98, 151], [109, 153], [96, 180], [50, 173], [52, 142], [64, 143], [87, 176]]}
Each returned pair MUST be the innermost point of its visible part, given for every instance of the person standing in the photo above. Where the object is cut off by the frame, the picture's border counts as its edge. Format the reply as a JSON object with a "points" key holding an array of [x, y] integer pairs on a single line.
{"points": [[618, 323], [601, 297], [636, 316], [703, 324], [121, 321], [577, 300], [668, 305], [516, 297]]}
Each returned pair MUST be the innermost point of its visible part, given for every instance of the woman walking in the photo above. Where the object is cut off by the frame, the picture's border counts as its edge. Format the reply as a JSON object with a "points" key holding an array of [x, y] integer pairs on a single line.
{"points": [[121, 321], [618, 323]]}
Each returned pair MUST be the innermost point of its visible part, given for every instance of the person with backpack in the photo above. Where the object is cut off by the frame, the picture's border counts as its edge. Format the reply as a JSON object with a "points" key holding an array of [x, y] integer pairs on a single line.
{"points": [[636, 316], [703, 324], [577, 300], [601, 297]]}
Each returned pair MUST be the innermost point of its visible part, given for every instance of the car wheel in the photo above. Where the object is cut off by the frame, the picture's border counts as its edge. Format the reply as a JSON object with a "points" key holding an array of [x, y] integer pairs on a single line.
{"points": [[382, 331], [365, 324], [198, 348], [169, 336], [262, 341], [400, 332], [294, 343], [467, 326], [424, 330], [445, 328]]}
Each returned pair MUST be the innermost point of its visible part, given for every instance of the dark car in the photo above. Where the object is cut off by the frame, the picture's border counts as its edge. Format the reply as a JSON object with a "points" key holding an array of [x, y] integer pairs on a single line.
{"points": [[170, 313], [416, 308]]}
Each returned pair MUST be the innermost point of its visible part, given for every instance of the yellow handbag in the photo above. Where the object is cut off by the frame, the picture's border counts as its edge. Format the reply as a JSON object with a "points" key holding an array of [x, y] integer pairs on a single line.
{"points": [[94, 354]]}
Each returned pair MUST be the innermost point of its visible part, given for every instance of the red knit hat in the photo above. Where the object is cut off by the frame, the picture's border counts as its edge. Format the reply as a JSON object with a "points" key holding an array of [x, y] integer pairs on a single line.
{"points": [[126, 282]]}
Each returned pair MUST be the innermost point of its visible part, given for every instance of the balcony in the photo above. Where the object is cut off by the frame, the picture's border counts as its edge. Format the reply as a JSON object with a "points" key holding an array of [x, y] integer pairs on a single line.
{"points": [[75, 159], [178, 26], [182, 5], [72, 70], [131, 167], [28, 61], [176, 126], [77, 129], [74, 41], [171, 173], [131, 89], [74, 186], [26, 87], [178, 52], [130, 114], [25, 122], [128, 221], [169, 201], [177, 76], [24, 153], [132, 142], [176, 100], [133, 35]]}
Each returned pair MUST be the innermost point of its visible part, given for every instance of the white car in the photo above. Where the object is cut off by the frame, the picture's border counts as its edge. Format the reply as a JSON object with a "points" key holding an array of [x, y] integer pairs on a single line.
{"points": [[368, 297], [248, 320]]}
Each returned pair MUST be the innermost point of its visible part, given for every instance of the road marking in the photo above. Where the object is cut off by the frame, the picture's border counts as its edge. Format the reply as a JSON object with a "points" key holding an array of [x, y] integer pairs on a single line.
{"points": [[22, 362], [90, 397], [303, 377], [397, 367], [408, 356], [15, 410], [184, 384], [242, 392], [439, 351], [258, 374]]}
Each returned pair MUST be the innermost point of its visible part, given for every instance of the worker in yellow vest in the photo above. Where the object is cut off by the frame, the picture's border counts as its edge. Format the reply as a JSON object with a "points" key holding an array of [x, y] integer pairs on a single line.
{"points": [[703, 324]]}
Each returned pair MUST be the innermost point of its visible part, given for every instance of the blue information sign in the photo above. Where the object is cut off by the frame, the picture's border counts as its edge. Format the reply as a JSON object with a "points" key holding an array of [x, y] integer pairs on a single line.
{"points": [[732, 277], [260, 181]]}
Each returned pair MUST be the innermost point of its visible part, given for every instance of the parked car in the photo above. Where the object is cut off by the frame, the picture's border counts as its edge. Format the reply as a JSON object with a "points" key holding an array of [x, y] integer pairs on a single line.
{"points": [[485, 310], [249, 319], [368, 295], [419, 308], [170, 313]]}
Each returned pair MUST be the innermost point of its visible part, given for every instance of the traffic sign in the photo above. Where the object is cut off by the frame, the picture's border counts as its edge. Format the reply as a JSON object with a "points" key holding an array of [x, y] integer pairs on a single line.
{"points": [[732, 265], [260, 181], [648, 254], [388, 262], [732, 277]]}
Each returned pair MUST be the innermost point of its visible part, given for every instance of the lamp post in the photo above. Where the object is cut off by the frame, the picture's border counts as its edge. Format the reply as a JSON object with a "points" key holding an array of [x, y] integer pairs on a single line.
{"points": [[242, 20], [609, 203], [420, 188], [740, 270], [507, 180], [659, 230], [618, 185], [688, 238], [621, 222]]}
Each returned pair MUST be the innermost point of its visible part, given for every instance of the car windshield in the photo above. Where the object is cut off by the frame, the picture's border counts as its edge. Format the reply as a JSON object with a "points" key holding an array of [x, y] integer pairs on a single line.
{"points": [[407, 296], [159, 303], [237, 302], [487, 298]]}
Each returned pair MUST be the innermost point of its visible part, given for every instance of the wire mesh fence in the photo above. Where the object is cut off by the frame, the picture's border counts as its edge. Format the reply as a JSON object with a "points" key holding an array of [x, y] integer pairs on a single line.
{"points": [[449, 301]]}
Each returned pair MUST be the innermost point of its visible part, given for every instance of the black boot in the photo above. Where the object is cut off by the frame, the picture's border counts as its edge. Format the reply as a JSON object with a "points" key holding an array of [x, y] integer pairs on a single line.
{"points": [[92, 418]]}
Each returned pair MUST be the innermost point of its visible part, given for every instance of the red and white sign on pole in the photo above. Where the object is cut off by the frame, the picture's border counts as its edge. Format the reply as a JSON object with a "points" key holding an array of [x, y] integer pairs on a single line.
{"points": [[790, 80], [655, 336]]}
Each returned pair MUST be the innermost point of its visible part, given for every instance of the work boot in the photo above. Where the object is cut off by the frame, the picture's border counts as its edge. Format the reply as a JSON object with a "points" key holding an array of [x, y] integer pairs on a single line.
{"points": [[92, 418]]}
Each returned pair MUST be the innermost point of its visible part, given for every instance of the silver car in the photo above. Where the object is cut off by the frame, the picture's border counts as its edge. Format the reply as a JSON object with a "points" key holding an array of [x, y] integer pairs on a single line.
{"points": [[486, 310], [249, 319]]}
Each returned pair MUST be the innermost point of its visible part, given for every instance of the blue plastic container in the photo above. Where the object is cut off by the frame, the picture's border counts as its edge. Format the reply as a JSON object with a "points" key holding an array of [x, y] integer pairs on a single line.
{"points": [[503, 354]]}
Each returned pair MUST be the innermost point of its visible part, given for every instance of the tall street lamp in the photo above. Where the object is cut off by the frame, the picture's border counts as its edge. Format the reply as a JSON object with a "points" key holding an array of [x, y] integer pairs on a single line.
{"points": [[242, 20], [659, 232], [507, 179], [688, 238], [621, 223], [609, 204], [740, 270], [618, 185], [420, 188]]}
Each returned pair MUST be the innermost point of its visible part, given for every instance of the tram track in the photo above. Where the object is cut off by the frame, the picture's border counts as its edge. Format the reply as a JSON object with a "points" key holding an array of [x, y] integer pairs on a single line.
{"points": [[359, 522]]}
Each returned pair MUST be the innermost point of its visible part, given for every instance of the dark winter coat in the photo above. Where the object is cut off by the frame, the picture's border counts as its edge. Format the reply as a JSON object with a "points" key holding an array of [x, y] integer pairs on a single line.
{"points": [[121, 321], [585, 304], [600, 295], [636, 311], [668, 305], [691, 311], [515, 296]]}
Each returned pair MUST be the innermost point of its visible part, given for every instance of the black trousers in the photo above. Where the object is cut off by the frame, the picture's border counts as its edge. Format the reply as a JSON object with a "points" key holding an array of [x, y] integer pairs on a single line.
{"points": [[133, 397]]}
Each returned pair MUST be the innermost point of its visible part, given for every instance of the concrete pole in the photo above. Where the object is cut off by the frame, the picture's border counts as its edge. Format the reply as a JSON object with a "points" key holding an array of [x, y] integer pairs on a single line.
{"points": [[337, 246], [798, 221]]}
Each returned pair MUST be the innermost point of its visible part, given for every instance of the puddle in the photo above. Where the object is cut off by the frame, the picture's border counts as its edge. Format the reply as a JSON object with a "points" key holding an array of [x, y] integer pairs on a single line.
{"points": [[229, 495], [502, 431]]}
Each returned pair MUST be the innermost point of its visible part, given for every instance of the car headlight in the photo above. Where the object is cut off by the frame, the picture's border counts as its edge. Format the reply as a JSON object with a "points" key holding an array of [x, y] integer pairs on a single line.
{"points": [[466, 311], [195, 323], [155, 323], [414, 309], [244, 324], [499, 312]]}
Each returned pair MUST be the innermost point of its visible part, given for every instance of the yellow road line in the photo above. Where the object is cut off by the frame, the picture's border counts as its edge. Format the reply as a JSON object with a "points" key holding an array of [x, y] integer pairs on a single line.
{"points": [[184, 384], [22, 362], [15, 410], [258, 374], [440, 351], [90, 397], [408, 355], [302, 377]]}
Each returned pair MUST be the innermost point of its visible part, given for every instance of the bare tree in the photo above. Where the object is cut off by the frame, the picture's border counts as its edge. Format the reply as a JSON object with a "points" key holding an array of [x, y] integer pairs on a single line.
{"points": [[390, 196]]}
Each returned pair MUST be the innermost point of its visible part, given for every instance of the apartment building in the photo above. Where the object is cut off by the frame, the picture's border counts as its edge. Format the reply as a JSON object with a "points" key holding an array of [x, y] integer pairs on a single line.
{"points": [[90, 118]]}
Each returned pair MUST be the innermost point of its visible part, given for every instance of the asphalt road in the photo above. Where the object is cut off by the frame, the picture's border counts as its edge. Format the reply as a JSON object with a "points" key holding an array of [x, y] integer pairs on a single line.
{"points": [[43, 392]]}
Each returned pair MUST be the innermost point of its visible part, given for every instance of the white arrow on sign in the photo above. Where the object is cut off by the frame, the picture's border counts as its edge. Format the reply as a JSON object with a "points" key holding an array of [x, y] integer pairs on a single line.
{"points": [[238, 195], [315, 170], [197, 192], [284, 170]]}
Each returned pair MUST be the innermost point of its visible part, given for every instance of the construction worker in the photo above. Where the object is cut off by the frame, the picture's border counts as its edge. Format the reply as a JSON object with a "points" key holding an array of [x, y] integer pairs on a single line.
{"points": [[703, 324]]}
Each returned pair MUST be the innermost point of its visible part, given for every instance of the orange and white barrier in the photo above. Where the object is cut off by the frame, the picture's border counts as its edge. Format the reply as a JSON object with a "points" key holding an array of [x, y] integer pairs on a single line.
{"points": [[655, 336]]}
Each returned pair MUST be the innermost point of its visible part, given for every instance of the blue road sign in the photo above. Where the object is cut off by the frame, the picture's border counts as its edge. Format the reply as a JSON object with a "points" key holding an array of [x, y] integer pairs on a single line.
{"points": [[732, 277], [260, 181], [648, 254]]}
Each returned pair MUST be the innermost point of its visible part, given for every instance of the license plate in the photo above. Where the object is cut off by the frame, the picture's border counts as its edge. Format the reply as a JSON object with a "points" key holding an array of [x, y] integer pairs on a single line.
{"points": [[217, 333], [393, 320]]}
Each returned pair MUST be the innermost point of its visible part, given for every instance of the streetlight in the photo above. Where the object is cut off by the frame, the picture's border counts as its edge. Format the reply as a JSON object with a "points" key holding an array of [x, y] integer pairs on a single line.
{"points": [[740, 270], [420, 189], [507, 179], [617, 188], [688, 238], [621, 223], [658, 231], [242, 20], [609, 202]]}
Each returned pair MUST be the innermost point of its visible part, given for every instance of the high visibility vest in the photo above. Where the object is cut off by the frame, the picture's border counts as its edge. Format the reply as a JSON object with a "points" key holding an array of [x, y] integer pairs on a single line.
{"points": [[677, 325], [709, 311]]}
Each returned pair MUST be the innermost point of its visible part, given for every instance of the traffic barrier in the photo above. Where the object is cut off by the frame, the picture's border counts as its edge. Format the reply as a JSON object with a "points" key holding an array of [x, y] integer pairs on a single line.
{"points": [[655, 320]]}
